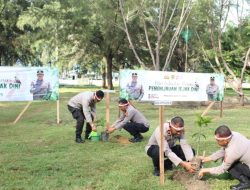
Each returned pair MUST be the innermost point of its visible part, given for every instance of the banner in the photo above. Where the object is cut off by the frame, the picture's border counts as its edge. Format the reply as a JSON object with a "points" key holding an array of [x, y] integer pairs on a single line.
{"points": [[28, 83], [156, 86]]}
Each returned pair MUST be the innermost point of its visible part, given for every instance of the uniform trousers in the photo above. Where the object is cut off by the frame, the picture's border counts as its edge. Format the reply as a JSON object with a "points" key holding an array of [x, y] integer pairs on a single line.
{"points": [[238, 169], [153, 152], [135, 129], [80, 118]]}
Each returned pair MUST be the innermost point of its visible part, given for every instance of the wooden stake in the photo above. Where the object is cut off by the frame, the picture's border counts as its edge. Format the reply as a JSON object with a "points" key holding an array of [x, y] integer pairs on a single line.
{"points": [[221, 108], [204, 153], [161, 152], [107, 110], [20, 115], [58, 111], [208, 108]]}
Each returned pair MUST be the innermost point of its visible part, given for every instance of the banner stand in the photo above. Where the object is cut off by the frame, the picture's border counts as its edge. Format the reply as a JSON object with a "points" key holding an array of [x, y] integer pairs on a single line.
{"points": [[210, 106], [161, 153], [161, 105], [221, 108], [107, 110], [107, 101], [22, 112], [58, 111]]}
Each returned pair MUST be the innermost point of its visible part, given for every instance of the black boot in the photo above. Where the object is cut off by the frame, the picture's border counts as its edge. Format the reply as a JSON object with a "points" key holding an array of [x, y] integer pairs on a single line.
{"points": [[168, 165], [156, 171], [79, 140], [244, 183], [135, 140], [140, 136]]}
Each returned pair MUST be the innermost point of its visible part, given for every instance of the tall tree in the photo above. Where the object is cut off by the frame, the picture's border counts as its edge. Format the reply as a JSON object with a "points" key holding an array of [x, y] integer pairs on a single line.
{"points": [[11, 48], [161, 22], [217, 18]]}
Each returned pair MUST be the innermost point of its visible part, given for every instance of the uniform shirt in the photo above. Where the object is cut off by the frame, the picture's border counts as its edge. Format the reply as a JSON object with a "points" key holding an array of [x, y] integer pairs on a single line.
{"points": [[238, 149], [131, 115], [169, 142], [85, 102], [212, 91], [135, 90], [40, 88]]}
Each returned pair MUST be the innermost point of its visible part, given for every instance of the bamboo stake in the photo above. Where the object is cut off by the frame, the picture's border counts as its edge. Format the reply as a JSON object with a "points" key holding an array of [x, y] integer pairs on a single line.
{"points": [[207, 109], [58, 111], [23, 111], [107, 109]]}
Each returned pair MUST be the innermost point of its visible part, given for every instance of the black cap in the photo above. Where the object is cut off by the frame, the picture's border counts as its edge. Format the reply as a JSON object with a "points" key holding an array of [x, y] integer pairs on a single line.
{"points": [[40, 72], [99, 94], [123, 101]]}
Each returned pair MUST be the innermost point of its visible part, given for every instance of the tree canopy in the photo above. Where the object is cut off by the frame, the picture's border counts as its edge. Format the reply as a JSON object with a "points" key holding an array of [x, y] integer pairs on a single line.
{"points": [[104, 36]]}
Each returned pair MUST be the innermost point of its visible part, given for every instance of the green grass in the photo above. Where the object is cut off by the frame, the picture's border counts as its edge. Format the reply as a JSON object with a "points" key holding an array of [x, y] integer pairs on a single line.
{"points": [[230, 92], [36, 153]]}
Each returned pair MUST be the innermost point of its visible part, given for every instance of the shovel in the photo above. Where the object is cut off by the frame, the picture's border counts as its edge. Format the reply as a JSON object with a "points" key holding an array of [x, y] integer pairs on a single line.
{"points": [[104, 136]]}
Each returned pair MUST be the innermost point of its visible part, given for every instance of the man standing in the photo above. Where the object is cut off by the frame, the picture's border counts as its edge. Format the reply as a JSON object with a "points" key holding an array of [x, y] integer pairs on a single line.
{"points": [[212, 90], [131, 120], [83, 107], [235, 152], [177, 154], [134, 88], [40, 88]]}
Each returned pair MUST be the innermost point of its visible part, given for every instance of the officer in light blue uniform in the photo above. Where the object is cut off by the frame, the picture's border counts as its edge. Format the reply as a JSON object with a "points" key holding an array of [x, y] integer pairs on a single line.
{"points": [[40, 88]]}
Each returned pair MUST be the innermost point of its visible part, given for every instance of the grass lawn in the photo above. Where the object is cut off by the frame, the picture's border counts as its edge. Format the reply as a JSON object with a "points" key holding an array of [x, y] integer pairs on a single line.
{"points": [[36, 153]]}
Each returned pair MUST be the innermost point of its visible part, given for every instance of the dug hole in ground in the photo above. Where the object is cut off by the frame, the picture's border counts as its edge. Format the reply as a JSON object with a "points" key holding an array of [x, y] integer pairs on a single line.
{"points": [[191, 181]]}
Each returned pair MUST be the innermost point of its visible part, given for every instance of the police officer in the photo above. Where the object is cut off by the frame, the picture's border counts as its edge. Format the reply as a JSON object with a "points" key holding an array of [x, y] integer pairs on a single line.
{"points": [[131, 120], [134, 88], [212, 90], [177, 154], [83, 107], [235, 152], [40, 88]]}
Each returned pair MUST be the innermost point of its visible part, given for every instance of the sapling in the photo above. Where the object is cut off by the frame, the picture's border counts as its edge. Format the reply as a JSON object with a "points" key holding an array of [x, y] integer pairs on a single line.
{"points": [[202, 123], [104, 134]]}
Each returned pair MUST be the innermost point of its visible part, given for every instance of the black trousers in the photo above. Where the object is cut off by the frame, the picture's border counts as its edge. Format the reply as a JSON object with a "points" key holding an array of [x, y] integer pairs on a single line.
{"points": [[80, 118], [135, 128], [153, 152], [238, 169]]}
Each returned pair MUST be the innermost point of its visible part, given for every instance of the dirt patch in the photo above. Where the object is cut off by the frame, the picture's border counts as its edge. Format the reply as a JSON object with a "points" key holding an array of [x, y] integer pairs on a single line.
{"points": [[190, 181], [120, 139], [196, 163]]}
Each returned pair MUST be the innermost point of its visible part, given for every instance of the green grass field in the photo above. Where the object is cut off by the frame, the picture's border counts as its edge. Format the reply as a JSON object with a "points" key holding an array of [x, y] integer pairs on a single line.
{"points": [[36, 153]]}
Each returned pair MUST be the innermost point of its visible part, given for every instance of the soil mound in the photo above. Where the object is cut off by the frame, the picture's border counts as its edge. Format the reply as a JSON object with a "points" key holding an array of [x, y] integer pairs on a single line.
{"points": [[190, 181], [120, 139]]}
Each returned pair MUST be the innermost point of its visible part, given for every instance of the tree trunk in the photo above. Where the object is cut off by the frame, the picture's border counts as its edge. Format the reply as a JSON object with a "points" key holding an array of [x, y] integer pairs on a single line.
{"points": [[104, 82], [241, 94], [109, 59]]}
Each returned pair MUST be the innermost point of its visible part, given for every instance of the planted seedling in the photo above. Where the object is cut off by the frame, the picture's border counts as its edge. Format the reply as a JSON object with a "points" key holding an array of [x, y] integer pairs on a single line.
{"points": [[202, 122], [104, 134]]}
